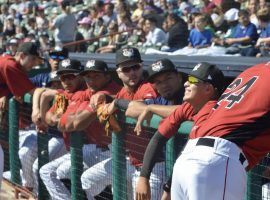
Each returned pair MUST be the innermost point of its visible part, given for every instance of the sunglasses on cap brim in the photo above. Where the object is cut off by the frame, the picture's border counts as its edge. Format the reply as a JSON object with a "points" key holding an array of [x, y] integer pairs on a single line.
{"points": [[128, 69], [57, 57]]}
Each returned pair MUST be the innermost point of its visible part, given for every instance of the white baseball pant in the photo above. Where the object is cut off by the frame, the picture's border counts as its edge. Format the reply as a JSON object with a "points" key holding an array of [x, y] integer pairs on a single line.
{"points": [[209, 169], [266, 191], [60, 168], [56, 148], [1, 164], [27, 155], [101, 173]]}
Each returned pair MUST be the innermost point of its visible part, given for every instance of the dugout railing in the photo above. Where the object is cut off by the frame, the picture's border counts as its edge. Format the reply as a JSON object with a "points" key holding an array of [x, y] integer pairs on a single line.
{"points": [[119, 185]]}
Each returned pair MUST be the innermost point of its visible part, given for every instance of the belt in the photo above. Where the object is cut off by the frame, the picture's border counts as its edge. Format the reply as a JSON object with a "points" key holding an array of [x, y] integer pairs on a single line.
{"points": [[210, 142]]}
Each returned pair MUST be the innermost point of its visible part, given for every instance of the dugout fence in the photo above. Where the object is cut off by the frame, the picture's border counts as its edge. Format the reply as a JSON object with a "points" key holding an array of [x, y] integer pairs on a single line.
{"points": [[119, 170]]}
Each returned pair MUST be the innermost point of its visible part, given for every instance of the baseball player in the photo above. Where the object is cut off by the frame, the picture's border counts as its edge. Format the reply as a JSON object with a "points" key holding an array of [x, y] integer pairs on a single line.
{"points": [[234, 139], [98, 80], [204, 86], [129, 70]]}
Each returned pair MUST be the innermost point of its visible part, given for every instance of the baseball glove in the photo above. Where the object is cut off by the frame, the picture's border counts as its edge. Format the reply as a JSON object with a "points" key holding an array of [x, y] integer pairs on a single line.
{"points": [[60, 103], [108, 120]]}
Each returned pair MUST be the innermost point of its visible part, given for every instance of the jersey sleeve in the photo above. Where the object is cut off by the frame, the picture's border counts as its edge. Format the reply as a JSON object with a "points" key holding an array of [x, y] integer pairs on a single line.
{"points": [[17, 81], [170, 125], [147, 92]]}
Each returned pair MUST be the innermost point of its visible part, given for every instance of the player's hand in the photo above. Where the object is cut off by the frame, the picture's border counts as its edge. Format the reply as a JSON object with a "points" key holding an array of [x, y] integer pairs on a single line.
{"points": [[229, 41], [143, 191], [145, 115], [36, 117], [41, 127], [97, 99], [3, 103], [166, 196]]}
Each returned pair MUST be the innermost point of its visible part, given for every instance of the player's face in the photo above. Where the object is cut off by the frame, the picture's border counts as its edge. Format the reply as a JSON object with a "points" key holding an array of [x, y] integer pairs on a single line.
{"points": [[54, 61], [70, 82], [130, 75], [29, 61], [168, 84], [96, 80], [197, 92]]}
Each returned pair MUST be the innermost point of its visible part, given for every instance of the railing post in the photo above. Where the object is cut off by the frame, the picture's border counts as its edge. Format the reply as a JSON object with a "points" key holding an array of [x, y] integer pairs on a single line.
{"points": [[119, 164], [14, 141], [76, 153], [170, 156], [43, 158], [254, 184]]}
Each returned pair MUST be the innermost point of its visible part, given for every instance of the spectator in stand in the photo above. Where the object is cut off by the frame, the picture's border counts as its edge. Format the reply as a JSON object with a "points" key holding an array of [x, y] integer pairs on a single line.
{"points": [[155, 34], [109, 14], [113, 39], [253, 6], [41, 20], [244, 38], [177, 31], [263, 43], [44, 41], [200, 37], [65, 26], [4, 13], [9, 27], [12, 46], [85, 27], [138, 13], [99, 28], [264, 4]]}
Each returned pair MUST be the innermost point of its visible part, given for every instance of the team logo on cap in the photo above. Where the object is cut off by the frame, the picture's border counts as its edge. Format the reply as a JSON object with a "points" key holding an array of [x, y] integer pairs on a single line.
{"points": [[53, 75], [197, 67], [128, 52], [90, 63], [156, 67], [65, 63]]}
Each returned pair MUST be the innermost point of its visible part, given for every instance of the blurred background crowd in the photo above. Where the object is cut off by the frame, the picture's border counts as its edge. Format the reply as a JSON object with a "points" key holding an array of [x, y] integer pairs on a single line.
{"points": [[240, 26]]}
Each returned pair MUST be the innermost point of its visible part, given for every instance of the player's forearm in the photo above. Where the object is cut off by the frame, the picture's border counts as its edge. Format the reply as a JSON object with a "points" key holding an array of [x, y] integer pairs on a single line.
{"points": [[161, 110], [135, 108], [152, 153], [83, 120], [36, 98], [45, 100]]}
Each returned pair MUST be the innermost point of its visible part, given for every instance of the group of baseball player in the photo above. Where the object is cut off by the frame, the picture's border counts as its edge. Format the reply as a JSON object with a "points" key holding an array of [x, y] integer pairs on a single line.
{"points": [[229, 136]]}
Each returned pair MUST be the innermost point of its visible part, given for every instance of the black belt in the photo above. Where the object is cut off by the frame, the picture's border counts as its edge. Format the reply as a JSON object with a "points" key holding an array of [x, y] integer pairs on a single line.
{"points": [[210, 142]]}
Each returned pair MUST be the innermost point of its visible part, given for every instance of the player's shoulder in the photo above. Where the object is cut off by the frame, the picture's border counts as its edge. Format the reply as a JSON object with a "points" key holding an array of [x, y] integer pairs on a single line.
{"points": [[261, 69]]}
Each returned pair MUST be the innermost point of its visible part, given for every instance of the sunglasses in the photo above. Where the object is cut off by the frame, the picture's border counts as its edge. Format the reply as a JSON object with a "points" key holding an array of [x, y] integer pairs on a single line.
{"points": [[128, 69], [193, 80], [66, 77], [56, 57]]}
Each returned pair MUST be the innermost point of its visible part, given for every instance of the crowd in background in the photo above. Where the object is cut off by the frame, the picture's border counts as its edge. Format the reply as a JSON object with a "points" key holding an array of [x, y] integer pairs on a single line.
{"points": [[168, 25]]}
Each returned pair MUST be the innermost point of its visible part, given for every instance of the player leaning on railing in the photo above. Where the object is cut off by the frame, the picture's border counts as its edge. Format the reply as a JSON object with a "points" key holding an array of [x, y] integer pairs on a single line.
{"points": [[204, 86]]}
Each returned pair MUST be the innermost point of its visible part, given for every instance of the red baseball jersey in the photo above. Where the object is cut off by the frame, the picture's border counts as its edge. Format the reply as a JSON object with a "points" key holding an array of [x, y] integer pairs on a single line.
{"points": [[95, 131], [242, 114], [144, 91], [13, 79], [185, 112], [136, 144]]}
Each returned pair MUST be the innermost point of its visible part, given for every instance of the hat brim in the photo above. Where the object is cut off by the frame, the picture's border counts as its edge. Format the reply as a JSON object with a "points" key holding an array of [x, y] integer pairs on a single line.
{"points": [[151, 78], [67, 71], [129, 63], [92, 70]]}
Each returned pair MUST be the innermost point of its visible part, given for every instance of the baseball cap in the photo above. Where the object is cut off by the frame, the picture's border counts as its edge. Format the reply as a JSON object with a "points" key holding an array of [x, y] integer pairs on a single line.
{"points": [[13, 41], [159, 67], [231, 15], [29, 48], [95, 66], [209, 73], [85, 20], [54, 77], [128, 55], [59, 51], [69, 66]]}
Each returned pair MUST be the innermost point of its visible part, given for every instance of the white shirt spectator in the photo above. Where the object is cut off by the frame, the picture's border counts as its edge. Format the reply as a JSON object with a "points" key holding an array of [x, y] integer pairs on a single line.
{"points": [[155, 36]]}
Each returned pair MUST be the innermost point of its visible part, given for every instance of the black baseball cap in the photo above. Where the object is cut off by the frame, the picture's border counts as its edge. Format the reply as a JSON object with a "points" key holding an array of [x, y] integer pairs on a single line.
{"points": [[159, 67], [59, 51], [69, 66], [209, 73], [29, 48], [95, 66], [128, 56], [54, 77]]}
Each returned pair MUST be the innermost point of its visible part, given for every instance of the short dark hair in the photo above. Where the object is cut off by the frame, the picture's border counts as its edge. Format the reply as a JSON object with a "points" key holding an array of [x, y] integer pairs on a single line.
{"points": [[243, 12]]}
